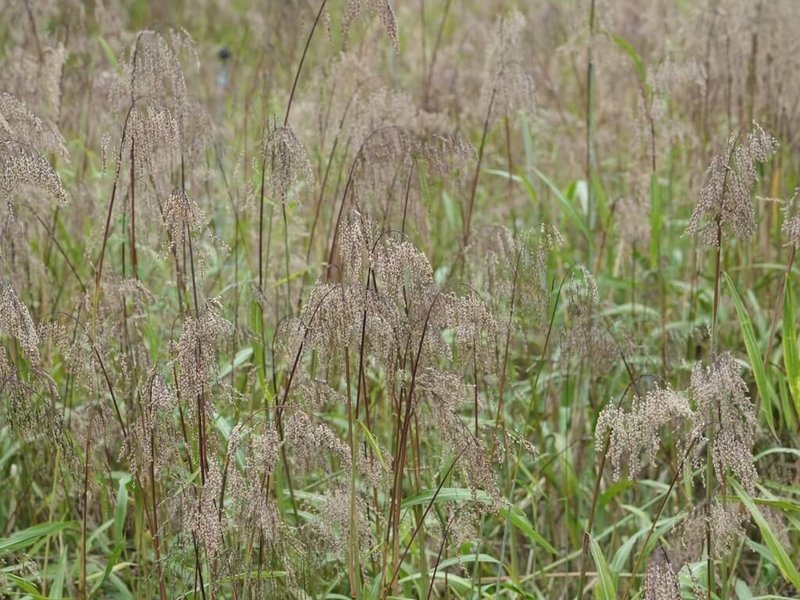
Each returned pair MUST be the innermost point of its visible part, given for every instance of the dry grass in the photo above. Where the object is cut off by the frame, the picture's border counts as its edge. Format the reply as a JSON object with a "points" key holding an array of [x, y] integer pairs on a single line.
{"points": [[418, 300]]}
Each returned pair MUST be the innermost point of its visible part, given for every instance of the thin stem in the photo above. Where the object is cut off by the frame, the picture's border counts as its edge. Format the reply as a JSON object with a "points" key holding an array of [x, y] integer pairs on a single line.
{"points": [[589, 160], [660, 510], [302, 60]]}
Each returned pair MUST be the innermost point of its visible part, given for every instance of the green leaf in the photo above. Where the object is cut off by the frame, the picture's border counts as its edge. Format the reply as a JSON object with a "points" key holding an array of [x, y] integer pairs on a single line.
{"points": [[121, 508], [566, 204], [20, 540], [120, 512], [520, 521], [451, 562], [764, 388], [742, 591], [57, 589], [241, 357], [791, 360], [24, 585], [605, 589], [638, 63], [778, 554], [373, 443], [447, 495], [108, 51]]}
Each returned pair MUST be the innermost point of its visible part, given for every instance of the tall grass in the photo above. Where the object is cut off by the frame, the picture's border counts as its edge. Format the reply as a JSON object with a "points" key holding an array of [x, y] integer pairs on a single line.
{"points": [[418, 300]]}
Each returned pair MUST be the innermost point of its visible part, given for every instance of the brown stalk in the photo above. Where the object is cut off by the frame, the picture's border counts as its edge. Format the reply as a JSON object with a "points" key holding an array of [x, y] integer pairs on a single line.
{"points": [[134, 262], [476, 176], [422, 520], [660, 510], [435, 51], [397, 491]]}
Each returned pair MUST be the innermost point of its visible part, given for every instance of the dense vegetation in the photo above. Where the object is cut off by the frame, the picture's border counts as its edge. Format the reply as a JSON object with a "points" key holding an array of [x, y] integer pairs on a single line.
{"points": [[348, 299]]}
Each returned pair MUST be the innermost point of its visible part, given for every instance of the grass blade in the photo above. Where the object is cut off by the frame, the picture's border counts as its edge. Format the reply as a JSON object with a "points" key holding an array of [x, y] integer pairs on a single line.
{"points": [[605, 589], [765, 390], [779, 555]]}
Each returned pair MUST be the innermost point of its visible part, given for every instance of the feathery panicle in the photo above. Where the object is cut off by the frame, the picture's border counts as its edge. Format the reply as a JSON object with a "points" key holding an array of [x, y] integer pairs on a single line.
{"points": [[638, 431], [18, 123], [585, 338], [507, 86], [790, 228], [725, 201], [380, 8], [197, 349], [151, 444], [182, 216], [660, 579], [22, 167], [727, 526], [201, 517], [724, 413], [16, 321], [286, 163]]}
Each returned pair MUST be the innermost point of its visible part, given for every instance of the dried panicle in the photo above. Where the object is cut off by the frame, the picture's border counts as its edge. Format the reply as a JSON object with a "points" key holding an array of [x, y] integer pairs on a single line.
{"points": [[638, 432], [332, 524], [18, 123], [23, 167], [152, 67], [727, 527], [585, 338], [725, 201], [443, 394], [197, 349], [201, 517], [51, 77], [155, 135], [151, 88], [506, 265], [400, 268], [356, 242], [790, 228], [659, 127], [724, 413], [30, 408], [761, 145], [254, 509], [330, 323], [150, 442], [118, 292], [473, 328], [507, 86], [317, 395], [726, 523], [444, 152], [380, 8], [16, 321], [308, 442], [182, 216], [660, 579], [286, 163]]}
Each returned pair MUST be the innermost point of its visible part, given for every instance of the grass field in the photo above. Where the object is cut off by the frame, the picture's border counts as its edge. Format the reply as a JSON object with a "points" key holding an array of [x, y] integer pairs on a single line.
{"points": [[399, 299]]}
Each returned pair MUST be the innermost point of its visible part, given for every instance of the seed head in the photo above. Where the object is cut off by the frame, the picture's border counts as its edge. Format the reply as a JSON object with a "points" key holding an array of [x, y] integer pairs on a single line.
{"points": [[725, 414], [380, 8], [286, 163], [660, 580], [638, 432], [507, 86], [16, 321], [725, 201]]}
